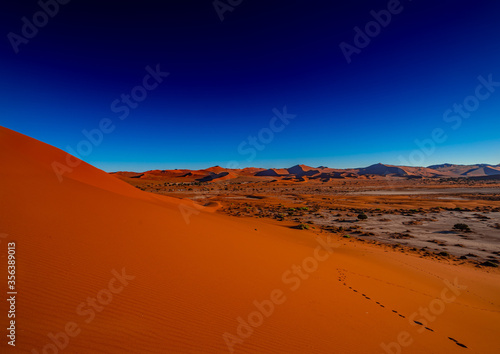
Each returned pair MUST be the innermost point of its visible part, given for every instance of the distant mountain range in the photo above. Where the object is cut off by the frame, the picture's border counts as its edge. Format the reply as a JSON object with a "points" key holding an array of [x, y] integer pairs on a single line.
{"points": [[303, 172]]}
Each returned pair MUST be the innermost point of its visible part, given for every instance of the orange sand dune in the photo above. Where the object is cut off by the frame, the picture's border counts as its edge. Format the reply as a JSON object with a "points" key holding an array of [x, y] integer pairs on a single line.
{"points": [[105, 268]]}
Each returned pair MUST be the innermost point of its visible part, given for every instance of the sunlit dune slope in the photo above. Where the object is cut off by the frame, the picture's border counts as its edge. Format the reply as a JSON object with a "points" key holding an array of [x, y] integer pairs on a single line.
{"points": [[105, 268]]}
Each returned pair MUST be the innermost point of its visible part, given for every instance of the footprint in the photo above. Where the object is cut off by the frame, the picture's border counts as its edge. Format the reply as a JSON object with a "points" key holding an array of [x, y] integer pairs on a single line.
{"points": [[457, 343], [429, 329], [401, 316], [394, 311], [419, 323]]}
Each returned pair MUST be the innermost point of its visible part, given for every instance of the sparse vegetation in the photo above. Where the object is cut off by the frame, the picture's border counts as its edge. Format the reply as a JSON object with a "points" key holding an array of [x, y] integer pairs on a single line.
{"points": [[302, 227], [462, 227], [412, 222], [400, 236], [489, 264]]}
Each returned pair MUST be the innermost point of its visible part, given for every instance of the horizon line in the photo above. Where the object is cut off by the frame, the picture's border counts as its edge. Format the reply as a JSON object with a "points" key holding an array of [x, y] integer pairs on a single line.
{"points": [[321, 166]]}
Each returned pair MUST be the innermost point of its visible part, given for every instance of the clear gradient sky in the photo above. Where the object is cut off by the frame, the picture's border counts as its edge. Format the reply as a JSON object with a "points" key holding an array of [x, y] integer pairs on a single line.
{"points": [[226, 78]]}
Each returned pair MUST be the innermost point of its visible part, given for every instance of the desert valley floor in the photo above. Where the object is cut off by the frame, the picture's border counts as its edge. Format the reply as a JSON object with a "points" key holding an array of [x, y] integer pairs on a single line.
{"points": [[412, 215]]}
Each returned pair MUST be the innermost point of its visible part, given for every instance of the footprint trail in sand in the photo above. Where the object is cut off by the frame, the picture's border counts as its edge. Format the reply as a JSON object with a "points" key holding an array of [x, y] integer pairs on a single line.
{"points": [[342, 278]]}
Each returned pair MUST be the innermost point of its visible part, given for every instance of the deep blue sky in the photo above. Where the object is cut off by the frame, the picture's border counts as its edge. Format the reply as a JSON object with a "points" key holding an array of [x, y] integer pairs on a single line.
{"points": [[226, 77]]}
